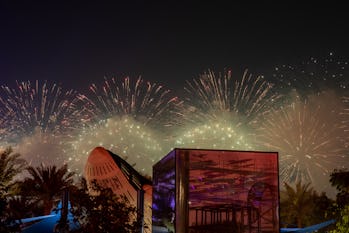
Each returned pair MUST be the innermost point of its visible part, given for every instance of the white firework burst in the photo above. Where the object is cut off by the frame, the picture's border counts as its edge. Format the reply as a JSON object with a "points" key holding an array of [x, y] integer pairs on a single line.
{"points": [[309, 138]]}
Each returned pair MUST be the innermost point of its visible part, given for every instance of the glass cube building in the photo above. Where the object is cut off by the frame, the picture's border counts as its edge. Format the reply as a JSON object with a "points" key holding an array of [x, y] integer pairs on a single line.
{"points": [[211, 191]]}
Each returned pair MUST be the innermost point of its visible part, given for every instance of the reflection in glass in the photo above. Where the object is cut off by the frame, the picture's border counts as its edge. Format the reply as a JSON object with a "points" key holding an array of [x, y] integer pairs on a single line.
{"points": [[227, 191]]}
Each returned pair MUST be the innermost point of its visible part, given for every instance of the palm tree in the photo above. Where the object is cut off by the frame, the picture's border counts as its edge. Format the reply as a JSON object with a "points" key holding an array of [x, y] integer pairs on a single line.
{"points": [[10, 166], [45, 184], [296, 205]]}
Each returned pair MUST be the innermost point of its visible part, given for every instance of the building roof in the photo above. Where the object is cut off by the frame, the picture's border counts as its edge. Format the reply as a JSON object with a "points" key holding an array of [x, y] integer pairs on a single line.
{"points": [[100, 159]]}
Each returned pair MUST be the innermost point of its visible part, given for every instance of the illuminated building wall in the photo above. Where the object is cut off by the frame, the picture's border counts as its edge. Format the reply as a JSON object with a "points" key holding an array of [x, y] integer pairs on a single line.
{"points": [[111, 171], [216, 191]]}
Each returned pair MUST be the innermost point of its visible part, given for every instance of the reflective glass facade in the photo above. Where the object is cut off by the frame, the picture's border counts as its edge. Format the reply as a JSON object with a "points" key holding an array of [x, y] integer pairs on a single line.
{"points": [[216, 191]]}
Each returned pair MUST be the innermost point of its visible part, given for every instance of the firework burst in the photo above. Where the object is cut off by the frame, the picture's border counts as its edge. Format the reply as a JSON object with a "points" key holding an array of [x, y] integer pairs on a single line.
{"points": [[309, 138], [28, 108], [35, 118], [246, 98], [129, 118], [219, 110], [146, 102]]}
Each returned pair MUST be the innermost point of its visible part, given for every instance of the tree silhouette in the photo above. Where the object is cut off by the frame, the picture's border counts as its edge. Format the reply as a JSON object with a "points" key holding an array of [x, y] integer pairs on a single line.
{"points": [[340, 180], [98, 209], [45, 185], [11, 165], [297, 204]]}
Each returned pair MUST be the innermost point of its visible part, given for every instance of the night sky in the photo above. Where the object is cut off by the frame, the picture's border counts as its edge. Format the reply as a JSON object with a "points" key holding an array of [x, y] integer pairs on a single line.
{"points": [[299, 107], [76, 43]]}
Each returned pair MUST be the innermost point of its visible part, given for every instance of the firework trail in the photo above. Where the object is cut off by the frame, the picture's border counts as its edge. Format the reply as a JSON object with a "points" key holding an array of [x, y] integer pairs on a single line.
{"points": [[129, 118], [34, 117], [309, 137], [219, 110]]}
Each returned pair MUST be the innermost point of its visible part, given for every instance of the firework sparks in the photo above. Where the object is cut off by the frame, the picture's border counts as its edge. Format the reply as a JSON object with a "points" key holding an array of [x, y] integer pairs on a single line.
{"points": [[246, 98], [219, 110], [146, 102], [129, 117], [214, 135], [138, 144], [135, 119], [308, 136], [313, 75], [35, 119], [28, 107]]}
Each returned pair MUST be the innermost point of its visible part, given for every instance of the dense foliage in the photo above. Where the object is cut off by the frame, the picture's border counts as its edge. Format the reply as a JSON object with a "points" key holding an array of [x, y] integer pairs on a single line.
{"points": [[340, 179], [44, 185], [98, 209], [11, 165], [301, 206]]}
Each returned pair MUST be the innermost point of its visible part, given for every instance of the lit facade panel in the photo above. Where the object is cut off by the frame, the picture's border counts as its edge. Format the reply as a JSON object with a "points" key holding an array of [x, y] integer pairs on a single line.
{"points": [[216, 191]]}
